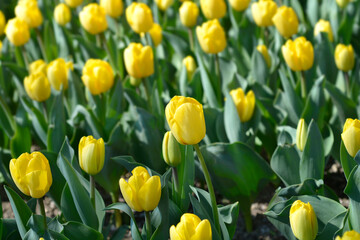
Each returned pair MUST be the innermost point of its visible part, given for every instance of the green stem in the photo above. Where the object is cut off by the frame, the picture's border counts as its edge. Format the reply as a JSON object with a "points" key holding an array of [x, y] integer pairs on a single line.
{"points": [[114, 199], [147, 91], [42, 209], [176, 184], [248, 219], [103, 39], [210, 187], [92, 190], [148, 225], [218, 74], [347, 84], [191, 39], [303, 85], [41, 44], [26, 61], [45, 111]]}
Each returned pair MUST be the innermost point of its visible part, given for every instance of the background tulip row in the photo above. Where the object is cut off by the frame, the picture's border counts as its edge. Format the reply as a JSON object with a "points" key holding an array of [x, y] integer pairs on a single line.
{"points": [[144, 99]]}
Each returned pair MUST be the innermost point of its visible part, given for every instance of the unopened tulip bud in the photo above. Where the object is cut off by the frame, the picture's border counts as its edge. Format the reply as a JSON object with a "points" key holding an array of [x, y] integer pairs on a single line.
{"points": [[171, 150], [164, 4], [91, 154], [93, 18], [264, 51], [191, 227], [286, 21], [113, 8], [245, 104], [98, 76], [62, 14], [303, 221], [213, 9], [190, 65], [239, 5], [298, 54], [351, 136], [211, 36], [349, 235], [323, 26], [73, 3], [139, 17], [189, 13], [37, 86], [344, 57], [301, 134], [29, 11], [263, 12], [17, 31]]}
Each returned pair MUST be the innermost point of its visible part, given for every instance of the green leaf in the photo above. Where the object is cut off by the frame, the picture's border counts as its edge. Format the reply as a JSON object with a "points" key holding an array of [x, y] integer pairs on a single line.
{"points": [[183, 81], [186, 176], [260, 70], [230, 215], [79, 231], [67, 205], [347, 162], [57, 127], [116, 95], [353, 191], [21, 141], [325, 57], [234, 128], [36, 223], [7, 122], [10, 229], [308, 187]]}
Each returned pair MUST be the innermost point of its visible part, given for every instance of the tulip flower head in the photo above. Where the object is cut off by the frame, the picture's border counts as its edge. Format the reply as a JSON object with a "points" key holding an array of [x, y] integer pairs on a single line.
{"points": [[164, 4], [93, 18], [190, 65], [263, 12], [344, 57], [342, 3], [189, 13], [113, 8], [91, 154], [349, 235], [264, 51], [57, 73], [301, 134], [139, 60], [139, 17], [286, 21], [245, 105], [28, 11], [17, 31], [2, 23], [351, 136], [155, 34], [73, 3], [303, 221], [37, 86], [38, 66], [298, 54], [239, 5], [191, 227], [62, 14], [98, 76], [323, 26], [213, 9], [211, 36]]}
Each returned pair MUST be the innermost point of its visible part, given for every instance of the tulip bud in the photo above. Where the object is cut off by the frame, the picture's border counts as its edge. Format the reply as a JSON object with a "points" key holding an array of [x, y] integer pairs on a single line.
{"points": [[303, 221], [213, 8], [263, 12], [286, 21], [141, 192], [301, 134], [344, 57], [171, 150], [191, 227], [57, 73], [239, 5], [37, 87], [351, 136], [349, 235], [245, 105], [323, 26], [73, 3], [139, 60], [189, 13], [38, 66], [185, 117], [17, 31], [264, 51], [139, 17], [298, 54], [28, 11], [211, 36], [342, 3], [62, 14], [113, 8], [31, 174], [164, 4], [98, 76], [93, 18], [2, 23], [155, 34], [135, 81], [190, 65], [91, 154]]}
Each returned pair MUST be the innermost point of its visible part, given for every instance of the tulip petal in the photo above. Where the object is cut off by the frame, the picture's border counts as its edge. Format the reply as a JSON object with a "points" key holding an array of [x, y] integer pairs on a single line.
{"points": [[150, 193], [129, 194], [203, 231], [37, 182], [174, 235]]}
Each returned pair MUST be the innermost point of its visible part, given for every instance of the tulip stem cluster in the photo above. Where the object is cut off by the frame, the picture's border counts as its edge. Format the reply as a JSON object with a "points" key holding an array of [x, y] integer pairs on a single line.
{"points": [[92, 190], [347, 84], [42, 210], [210, 187], [218, 74], [114, 199], [148, 224], [191, 39], [175, 177], [303, 85], [147, 91]]}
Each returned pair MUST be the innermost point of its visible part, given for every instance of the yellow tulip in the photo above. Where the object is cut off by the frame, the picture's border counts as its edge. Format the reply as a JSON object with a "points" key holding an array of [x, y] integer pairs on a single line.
{"points": [[2, 23], [263, 12], [0, 47], [349, 235], [31, 174], [171, 150], [190, 65], [91, 154], [351, 136], [191, 227], [298, 54], [73, 3], [286, 21], [139, 17], [344, 57], [303, 221], [301, 134], [38, 66], [239, 5], [113, 8], [323, 26], [141, 192], [98, 76], [17, 31], [93, 18], [164, 4], [211, 36], [264, 51], [185, 117], [213, 8], [139, 60], [37, 87], [62, 14], [342, 3], [189, 13], [245, 105], [155, 34], [28, 11], [57, 73]]}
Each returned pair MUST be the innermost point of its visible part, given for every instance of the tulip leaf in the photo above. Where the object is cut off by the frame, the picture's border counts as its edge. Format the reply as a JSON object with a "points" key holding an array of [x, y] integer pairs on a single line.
{"points": [[21, 211], [115, 100], [233, 126], [260, 70], [183, 81], [332, 227], [31, 234], [9, 229], [75, 91], [353, 191], [7, 122], [57, 236], [21, 141], [230, 215], [67, 205], [308, 187], [347, 162], [36, 223], [325, 57], [57, 127], [312, 11], [176, 42], [79, 231]]}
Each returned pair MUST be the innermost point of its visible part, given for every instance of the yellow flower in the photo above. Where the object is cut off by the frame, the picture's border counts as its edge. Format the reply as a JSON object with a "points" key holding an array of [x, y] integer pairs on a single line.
{"points": [[245, 105], [351, 136], [139, 17], [190, 65], [2, 23], [286, 21], [28, 11], [323, 26], [303, 221], [213, 8], [211, 36], [73, 3], [62, 14], [0, 47], [37, 86], [31, 174], [113, 8], [263, 12], [98, 76], [38, 66], [298, 54], [301, 134], [17, 31], [139, 60], [155, 34], [349, 235], [171, 150], [93, 18], [164, 4], [342, 3], [189, 13], [185, 117], [57, 73], [191, 227], [239, 5], [141, 192], [344, 57], [264, 51], [91, 154]]}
